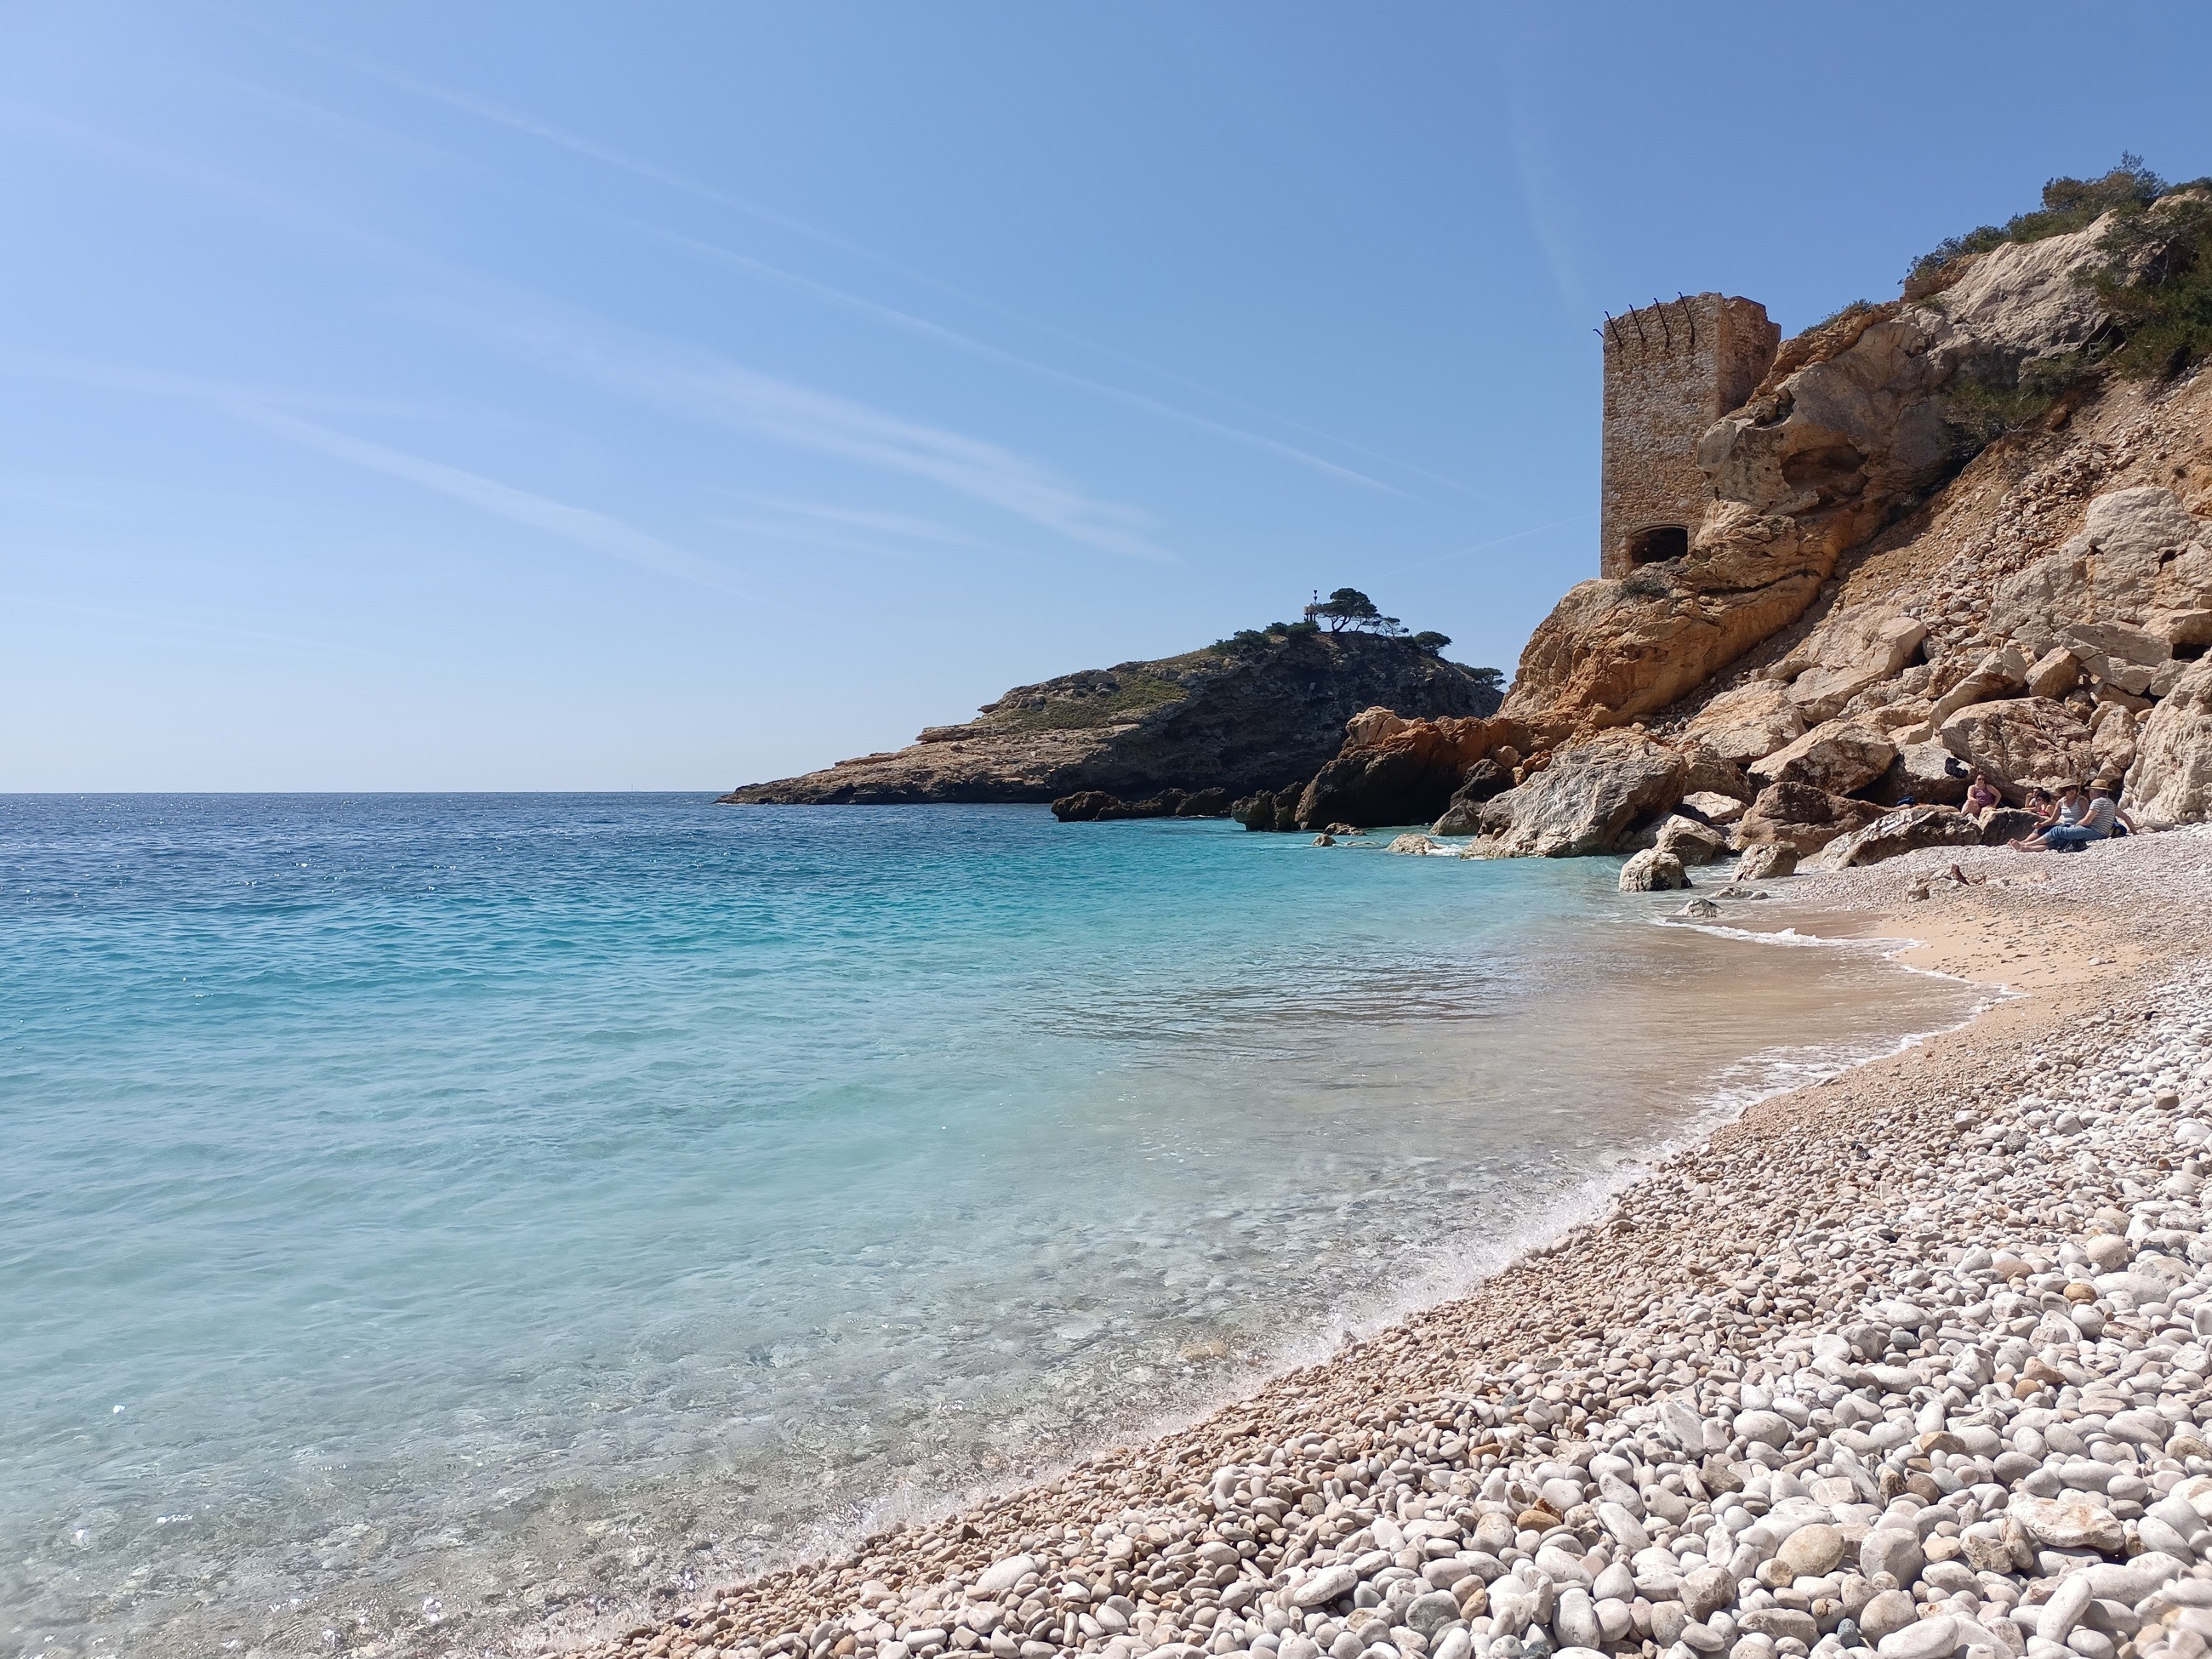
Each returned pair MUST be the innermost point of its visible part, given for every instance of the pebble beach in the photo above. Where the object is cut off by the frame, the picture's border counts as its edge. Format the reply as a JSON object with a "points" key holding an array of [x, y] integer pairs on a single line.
{"points": [[1909, 1364]]}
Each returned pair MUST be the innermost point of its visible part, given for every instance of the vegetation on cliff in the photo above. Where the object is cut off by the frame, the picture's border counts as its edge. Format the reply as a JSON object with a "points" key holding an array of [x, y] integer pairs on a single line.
{"points": [[2152, 276]]}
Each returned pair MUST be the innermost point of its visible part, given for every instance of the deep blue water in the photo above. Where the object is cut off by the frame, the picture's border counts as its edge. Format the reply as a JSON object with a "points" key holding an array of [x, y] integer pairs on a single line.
{"points": [[429, 1217]]}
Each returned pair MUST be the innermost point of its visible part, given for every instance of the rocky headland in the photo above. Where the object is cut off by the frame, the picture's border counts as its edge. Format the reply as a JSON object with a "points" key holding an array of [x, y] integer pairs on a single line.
{"points": [[1971, 529], [1263, 711]]}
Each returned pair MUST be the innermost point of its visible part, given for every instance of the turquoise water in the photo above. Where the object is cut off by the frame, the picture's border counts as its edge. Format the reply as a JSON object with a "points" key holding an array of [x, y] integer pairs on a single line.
{"points": [[447, 1224]]}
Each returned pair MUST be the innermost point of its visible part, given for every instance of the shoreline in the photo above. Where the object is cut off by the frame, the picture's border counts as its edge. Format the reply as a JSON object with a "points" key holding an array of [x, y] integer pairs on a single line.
{"points": [[1154, 1525]]}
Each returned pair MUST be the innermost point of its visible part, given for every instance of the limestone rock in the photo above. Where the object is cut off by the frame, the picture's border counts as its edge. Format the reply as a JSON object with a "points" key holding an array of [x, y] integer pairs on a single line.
{"points": [[2140, 561], [1765, 861], [1837, 756], [1482, 782], [1414, 845], [1266, 811], [2001, 673], [2171, 781], [2070, 1523], [1690, 840], [1395, 771], [2054, 673], [1587, 800], [2001, 824], [1928, 772], [1852, 651], [1092, 805], [2019, 741], [1905, 831], [1800, 816], [1748, 723], [1653, 871], [1712, 806]]}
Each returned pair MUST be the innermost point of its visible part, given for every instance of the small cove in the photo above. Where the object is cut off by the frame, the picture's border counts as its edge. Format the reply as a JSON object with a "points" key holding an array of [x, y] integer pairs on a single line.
{"points": [[488, 1210]]}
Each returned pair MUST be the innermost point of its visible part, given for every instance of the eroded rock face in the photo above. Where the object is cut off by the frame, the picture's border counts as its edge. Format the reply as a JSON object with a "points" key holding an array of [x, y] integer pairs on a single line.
{"points": [[1749, 722], [2023, 741], [2171, 781], [1653, 871], [1397, 771], [1839, 757], [1801, 817], [1811, 466], [1905, 831], [1852, 651], [1589, 800], [2141, 561]]}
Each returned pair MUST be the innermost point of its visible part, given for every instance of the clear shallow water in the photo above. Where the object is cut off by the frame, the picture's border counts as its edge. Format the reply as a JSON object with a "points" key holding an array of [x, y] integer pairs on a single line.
{"points": [[433, 1221]]}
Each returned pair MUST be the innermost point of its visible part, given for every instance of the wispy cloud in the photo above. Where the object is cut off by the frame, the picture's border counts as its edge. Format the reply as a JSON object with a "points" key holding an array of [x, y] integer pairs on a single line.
{"points": [[1544, 191], [513, 120], [905, 526], [581, 526], [1484, 547], [699, 385], [692, 382], [923, 328]]}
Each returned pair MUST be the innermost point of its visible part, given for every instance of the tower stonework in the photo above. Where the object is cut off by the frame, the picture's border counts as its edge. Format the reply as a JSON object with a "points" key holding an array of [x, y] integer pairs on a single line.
{"points": [[1671, 370]]}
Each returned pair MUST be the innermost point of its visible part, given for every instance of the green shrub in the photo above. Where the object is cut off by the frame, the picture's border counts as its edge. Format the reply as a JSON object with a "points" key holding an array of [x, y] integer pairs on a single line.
{"points": [[2068, 204], [2157, 283], [1135, 695]]}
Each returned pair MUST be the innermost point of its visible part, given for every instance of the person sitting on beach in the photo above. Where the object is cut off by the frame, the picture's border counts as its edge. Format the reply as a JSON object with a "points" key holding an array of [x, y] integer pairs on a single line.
{"points": [[1982, 797], [2095, 823], [2064, 815]]}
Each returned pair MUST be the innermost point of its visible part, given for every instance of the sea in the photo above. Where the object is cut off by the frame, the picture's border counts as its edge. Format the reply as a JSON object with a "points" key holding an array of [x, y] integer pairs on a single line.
{"points": [[463, 1223]]}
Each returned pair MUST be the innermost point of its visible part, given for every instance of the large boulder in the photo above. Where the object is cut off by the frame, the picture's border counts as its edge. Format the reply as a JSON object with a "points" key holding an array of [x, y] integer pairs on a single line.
{"points": [[1905, 831], [2004, 825], [1394, 771], [1852, 651], [1267, 811], [2171, 781], [1748, 723], [1484, 780], [1838, 756], [1801, 816], [2113, 740], [1923, 774], [1653, 871], [1691, 840], [2021, 741], [1589, 800], [2001, 673], [1766, 860]]}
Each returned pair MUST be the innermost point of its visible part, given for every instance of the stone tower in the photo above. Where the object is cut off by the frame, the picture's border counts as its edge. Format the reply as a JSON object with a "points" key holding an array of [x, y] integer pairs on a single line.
{"points": [[1671, 370]]}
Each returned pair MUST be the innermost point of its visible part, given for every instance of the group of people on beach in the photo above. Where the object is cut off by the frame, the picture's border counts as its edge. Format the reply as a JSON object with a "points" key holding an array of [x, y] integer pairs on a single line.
{"points": [[2064, 824]]}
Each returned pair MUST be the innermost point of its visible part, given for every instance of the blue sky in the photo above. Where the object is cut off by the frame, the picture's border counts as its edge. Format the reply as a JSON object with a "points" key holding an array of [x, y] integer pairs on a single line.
{"points": [[555, 396]]}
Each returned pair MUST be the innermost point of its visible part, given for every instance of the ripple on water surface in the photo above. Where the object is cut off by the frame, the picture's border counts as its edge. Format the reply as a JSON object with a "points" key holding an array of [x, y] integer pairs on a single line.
{"points": [[433, 1215]]}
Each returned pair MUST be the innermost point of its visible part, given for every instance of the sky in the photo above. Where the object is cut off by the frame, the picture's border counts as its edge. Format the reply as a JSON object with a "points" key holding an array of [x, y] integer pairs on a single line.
{"points": [[553, 396]]}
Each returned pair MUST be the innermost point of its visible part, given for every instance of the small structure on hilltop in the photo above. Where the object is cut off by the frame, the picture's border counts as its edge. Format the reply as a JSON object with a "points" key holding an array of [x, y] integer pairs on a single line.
{"points": [[1671, 370]]}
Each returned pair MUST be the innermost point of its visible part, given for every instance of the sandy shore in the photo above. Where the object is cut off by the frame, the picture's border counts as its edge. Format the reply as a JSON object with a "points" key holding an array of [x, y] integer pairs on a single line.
{"points": [[1915, 1346]]}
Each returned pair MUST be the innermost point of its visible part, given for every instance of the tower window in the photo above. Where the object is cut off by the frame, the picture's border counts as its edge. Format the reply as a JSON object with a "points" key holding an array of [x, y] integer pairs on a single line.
{"points": [[1658, 543]]}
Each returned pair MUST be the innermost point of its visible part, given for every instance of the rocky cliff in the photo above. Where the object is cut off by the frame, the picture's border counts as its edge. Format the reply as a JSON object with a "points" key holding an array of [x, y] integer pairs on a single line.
{"points": [[1261, 712], [1967, 529]]}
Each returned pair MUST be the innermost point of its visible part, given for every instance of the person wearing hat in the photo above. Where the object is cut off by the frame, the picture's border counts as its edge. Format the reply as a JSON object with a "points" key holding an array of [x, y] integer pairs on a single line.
{"points": [[2094, 822]]}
